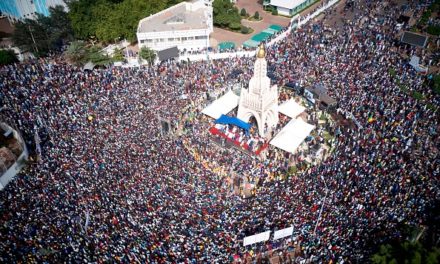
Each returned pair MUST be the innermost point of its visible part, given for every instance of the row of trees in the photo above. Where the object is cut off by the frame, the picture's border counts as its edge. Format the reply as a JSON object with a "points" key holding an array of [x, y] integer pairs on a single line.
{"points": [[110, 20], [79, 53]]}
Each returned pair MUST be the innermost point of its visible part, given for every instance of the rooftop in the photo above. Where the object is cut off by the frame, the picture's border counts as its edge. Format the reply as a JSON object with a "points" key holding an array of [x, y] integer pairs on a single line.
{"points": [[183, 16], [289, 4]]}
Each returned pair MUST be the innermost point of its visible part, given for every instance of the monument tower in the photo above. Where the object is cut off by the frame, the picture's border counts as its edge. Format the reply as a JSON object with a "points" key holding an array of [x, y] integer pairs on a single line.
{"points": [[260, 100]]}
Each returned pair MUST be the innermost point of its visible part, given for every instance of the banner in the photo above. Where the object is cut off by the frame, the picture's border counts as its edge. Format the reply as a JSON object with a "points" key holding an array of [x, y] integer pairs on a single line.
{"points": [[256, 238], [283, 233]]}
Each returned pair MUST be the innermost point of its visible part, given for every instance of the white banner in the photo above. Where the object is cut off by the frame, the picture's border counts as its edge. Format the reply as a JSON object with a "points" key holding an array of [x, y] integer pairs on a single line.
{"points": [[256, 238], [283, 233]]}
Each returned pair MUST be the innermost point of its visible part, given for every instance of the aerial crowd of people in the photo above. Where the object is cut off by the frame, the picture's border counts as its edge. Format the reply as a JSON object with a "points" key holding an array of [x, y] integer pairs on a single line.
{"points": [[111, 187]]}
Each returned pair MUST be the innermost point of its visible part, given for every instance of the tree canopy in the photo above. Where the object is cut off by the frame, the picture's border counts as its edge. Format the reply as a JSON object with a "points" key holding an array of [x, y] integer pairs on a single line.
{"points": [[110, 20], [43, 33], [147, 54], [226, 14], [406, 252], [7, 57], [78, 53]]}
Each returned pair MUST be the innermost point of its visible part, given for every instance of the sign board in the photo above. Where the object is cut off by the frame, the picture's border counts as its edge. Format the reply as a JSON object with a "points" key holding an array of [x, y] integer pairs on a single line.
{"points": [[309, 96], [256, 238], [283, 233]]}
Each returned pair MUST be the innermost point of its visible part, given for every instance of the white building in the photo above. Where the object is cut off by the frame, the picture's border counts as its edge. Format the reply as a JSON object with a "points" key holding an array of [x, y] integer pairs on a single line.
{"points": [[290, 7], [186, 25], [260, 100], [21, 9]]}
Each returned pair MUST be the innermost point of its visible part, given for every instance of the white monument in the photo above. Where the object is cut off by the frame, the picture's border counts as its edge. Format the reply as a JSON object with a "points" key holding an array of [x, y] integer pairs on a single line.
{"points": [[260, 100]]}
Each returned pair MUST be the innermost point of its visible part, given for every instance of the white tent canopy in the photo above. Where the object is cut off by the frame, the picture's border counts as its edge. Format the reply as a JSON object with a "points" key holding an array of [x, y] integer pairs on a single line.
{"points": [[223, 105], [291, 108], [292, 135]]}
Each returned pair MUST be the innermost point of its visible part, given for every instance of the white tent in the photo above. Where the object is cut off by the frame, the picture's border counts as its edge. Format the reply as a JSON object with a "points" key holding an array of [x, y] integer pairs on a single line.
{"points": [[292, 135], [223, 105], [291, 108]]}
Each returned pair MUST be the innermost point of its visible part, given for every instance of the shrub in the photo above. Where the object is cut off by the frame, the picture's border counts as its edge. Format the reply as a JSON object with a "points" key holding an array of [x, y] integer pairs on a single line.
{"points": [[235, 26], [7, 57], [257, 15], [244, 30], [436, 84], [433, 30], [243, 12], [275, 12]]}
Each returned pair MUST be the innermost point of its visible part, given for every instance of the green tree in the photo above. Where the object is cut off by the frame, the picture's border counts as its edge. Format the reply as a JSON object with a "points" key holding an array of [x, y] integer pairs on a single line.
{"points": [[43, 33], [433, 30], [257, 15], [60, 27], [225, 13], [97, 57], [436, 83], [243, 12], [235, 26], [7, 57], [118, 55], [77, 53], [147, 54], [111, 19], [406, 252], [82, 18], [275, 12], [31, 35]]}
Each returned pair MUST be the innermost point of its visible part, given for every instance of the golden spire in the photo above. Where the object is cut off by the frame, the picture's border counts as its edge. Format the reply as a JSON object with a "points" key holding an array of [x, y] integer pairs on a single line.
{"points": [[261, 53]]}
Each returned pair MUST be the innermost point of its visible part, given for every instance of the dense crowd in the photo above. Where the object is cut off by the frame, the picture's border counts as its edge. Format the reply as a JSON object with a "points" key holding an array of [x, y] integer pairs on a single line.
{"points": [[112, 188]]}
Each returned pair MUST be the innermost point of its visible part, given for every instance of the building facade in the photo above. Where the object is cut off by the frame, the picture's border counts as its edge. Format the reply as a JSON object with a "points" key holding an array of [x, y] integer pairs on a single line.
{"points": [[260, 100], [22, 9], [186, 26], [290, 7]]}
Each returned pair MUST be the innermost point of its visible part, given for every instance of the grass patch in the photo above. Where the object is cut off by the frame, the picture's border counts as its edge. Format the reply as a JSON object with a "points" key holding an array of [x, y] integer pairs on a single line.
{"points": [[254, 19], [249, 31]]}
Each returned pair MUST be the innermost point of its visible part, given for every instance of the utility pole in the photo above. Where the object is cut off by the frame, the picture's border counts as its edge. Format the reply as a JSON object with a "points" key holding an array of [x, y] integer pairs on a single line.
{"points": [[33, 39]]}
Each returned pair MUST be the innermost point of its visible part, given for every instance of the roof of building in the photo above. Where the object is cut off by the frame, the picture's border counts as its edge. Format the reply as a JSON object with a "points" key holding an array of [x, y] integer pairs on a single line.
{"points": [[169, 53], [183, 16], [289, 4], [414, 39]]}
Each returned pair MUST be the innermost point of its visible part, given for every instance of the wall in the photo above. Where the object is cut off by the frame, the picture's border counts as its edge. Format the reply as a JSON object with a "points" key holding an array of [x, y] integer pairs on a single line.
{"points": [[18, 165], [189, 44], [283, 11]]}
